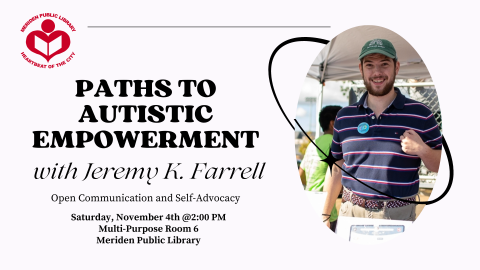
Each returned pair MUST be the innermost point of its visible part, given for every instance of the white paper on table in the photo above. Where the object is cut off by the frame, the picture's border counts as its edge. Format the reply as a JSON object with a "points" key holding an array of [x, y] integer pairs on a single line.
{"points": [[370, 231]]}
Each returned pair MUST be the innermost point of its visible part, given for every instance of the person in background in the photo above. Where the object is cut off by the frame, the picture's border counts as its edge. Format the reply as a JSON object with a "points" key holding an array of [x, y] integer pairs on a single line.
{"points": [[312, 171]]}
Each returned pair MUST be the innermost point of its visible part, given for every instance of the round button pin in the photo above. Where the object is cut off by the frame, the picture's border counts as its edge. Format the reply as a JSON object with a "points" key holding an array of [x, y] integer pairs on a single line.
{"points": [[363, 128]]}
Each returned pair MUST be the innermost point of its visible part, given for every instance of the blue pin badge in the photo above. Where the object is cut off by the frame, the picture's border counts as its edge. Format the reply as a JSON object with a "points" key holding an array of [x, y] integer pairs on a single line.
{"points": [[363, 128]]}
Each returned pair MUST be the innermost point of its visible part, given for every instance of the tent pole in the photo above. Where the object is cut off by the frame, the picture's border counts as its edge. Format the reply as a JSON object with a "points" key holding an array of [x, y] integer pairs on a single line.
{"points": [[322, 69], [317, 111]]}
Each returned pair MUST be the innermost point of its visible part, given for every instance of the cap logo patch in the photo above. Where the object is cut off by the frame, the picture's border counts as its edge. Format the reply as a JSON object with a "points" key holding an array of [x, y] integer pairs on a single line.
{"points": [[376, 43]]}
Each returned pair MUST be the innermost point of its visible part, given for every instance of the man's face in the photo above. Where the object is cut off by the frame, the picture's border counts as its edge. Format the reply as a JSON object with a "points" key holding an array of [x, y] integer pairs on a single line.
{"points": [[378, 72]]}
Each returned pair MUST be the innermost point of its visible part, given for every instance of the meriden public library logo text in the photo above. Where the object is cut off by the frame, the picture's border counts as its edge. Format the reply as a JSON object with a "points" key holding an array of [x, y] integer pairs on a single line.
{"points": [[48, 40]]}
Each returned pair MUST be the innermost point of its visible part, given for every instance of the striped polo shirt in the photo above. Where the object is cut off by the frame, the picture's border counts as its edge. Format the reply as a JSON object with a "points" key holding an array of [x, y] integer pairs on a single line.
{"points": [[371, 146]]}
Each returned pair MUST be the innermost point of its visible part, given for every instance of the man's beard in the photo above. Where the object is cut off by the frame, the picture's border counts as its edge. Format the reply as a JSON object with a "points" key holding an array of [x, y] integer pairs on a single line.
{"points": [[382, 92]]}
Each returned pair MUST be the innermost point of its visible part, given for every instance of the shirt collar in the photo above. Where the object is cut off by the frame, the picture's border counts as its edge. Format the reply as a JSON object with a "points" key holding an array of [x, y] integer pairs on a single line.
{"points": [[398, 102]]}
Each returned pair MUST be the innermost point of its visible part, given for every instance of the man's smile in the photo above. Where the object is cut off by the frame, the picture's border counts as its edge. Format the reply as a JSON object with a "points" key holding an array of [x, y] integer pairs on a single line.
{"points": [[378, 81]]}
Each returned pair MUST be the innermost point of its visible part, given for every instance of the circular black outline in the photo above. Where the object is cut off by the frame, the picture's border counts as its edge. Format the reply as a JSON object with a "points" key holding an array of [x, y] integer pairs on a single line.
{"points": [[323, 41]]}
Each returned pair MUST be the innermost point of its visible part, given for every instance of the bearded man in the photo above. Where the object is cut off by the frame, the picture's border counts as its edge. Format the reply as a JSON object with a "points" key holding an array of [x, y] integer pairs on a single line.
{"points": [[381, 140]]}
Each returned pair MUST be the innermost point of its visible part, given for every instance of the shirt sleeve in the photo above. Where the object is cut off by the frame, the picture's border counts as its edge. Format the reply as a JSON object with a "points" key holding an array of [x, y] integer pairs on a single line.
{"points": [[306, 157], [336, 146], [431, 135], [302, 164]]}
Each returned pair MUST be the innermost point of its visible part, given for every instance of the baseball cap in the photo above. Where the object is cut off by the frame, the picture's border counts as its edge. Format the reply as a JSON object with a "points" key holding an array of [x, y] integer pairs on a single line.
{"points": [[381, 46]]}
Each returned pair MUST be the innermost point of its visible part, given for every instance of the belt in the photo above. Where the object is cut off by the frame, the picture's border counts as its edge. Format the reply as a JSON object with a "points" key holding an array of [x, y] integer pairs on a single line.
{"points": [[349, 196]]}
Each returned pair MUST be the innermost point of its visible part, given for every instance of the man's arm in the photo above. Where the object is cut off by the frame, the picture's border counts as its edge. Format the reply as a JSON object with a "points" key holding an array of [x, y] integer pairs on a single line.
{"points": [[333, 185], [412, 144], [431, 158], [302, 176]]}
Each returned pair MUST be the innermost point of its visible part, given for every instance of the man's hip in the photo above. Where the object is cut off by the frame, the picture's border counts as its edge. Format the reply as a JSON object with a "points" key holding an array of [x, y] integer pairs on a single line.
{"points": [[355, 206]]}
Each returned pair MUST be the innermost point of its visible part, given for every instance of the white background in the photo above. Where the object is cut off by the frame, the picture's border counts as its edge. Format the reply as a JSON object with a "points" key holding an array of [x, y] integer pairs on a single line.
{"points": [[273, 226]]}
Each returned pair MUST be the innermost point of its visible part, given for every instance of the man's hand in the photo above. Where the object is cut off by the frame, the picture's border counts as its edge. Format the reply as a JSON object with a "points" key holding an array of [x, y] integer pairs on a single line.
{"points": [[327, 222], [412, 144]]}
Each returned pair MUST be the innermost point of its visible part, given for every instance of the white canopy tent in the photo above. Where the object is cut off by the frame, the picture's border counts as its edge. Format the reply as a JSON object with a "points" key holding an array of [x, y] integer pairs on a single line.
{"points": [[338, 61]]}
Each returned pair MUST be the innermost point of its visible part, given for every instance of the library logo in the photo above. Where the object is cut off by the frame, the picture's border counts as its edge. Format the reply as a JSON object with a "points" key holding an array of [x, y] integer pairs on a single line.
{"points": [[48, 42], [47, 47]]}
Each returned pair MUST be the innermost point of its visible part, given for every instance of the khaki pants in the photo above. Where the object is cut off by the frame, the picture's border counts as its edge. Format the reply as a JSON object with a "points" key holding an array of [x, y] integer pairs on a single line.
{"points": [[400, 213]]}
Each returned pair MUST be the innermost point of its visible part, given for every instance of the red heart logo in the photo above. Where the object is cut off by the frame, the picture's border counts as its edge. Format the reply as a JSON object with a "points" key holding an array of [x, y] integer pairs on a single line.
{"points": [[48, 45]]}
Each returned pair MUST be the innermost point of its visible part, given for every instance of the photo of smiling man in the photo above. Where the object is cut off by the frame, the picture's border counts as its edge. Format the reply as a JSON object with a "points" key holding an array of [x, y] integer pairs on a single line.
{"points": [[381, 140]]}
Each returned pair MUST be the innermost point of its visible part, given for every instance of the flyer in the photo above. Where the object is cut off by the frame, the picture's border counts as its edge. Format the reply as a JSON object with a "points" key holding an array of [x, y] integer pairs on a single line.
{"points": [[146, 134]]}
